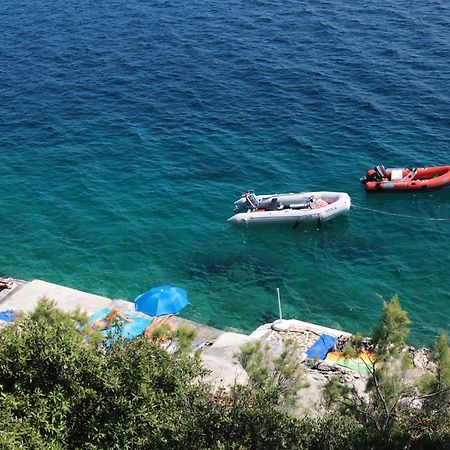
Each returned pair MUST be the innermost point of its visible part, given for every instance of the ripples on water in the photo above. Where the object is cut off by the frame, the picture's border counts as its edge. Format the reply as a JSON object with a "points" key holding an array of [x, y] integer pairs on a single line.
{"points": [[129, 128]]}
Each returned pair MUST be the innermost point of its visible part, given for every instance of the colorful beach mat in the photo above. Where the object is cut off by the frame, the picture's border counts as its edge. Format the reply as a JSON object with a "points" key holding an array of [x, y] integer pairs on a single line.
{"points": [[361, 363]]}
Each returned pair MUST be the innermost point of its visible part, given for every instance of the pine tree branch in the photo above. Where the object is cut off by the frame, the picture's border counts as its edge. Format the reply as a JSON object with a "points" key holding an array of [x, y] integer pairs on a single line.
{"points": [[432, 394], [378, 390]]}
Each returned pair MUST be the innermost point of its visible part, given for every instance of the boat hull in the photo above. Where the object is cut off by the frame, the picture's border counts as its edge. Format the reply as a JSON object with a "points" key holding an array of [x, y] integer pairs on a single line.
{"points": [[338, 203], [425, 179]]}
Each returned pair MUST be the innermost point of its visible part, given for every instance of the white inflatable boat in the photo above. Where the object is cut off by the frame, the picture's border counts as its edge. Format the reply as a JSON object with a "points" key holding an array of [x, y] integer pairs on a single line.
{"points": [[289, 208]]}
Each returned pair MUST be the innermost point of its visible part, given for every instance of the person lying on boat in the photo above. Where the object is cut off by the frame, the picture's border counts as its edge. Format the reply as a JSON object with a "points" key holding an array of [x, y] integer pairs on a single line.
{"points": [[106, 322]]}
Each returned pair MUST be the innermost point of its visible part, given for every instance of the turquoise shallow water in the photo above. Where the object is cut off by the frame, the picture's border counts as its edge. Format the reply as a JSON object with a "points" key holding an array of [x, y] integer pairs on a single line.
{"points": [[128, 129]]}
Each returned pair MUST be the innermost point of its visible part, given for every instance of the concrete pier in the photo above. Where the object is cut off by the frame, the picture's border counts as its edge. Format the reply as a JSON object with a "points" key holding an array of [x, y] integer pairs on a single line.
{"points": [[24, 296], [219, 348]]}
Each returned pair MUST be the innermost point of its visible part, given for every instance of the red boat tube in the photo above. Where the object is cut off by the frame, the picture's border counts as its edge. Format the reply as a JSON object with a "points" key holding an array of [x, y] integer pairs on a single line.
{"points": [[424, 179]]}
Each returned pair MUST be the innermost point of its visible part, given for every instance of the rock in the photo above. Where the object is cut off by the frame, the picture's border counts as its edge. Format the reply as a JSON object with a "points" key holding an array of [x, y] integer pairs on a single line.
{"points": [[325, 367], [422, 359], [346, 378], [317, 376]]}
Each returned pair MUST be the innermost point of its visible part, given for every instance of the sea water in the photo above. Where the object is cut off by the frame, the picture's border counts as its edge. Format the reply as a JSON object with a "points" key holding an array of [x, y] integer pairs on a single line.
{"points": [[127, 130]]}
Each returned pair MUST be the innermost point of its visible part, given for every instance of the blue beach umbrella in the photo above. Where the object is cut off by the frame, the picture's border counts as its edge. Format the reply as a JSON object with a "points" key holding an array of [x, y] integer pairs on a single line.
{"points": [[162, 300]]}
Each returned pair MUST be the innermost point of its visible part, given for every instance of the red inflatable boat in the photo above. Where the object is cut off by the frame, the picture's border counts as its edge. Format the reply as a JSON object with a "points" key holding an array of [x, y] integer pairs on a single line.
{"points": [[424, 179]]}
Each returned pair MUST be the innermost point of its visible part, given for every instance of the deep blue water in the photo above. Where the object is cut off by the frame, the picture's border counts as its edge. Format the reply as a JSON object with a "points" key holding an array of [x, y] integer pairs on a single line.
{"points": [[127, 129]]}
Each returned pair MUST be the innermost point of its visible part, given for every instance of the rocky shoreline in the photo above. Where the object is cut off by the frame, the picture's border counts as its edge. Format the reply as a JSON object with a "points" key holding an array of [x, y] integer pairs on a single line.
{"points": [[318, 373], [220, 349]]}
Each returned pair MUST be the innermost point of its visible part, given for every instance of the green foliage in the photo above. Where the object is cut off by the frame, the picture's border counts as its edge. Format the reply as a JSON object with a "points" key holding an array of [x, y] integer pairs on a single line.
{"points": [[244, 421], [275, 379], [385, 387], [184, 337], [58, 385], [436, 387], [43, 352], [352, 346], [161, 332], [384, 408], [424, 430], [343, 431], [60, 390], [390, 336], [255, 359], [178, 340], [443, 360], [337, 395]]}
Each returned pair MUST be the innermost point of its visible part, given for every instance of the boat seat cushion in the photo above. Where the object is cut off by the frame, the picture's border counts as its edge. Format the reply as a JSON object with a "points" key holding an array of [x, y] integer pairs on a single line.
{"points": [[396, 174], [273, 205]]}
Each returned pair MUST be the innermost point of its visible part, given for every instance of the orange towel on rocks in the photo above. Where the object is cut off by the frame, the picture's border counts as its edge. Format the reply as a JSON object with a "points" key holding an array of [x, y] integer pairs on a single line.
{"points": [[362, 363]]}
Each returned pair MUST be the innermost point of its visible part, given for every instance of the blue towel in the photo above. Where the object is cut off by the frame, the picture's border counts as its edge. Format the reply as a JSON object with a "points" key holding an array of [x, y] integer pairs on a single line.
{"points": [[7, 316], [128, 330], [321, 347]]}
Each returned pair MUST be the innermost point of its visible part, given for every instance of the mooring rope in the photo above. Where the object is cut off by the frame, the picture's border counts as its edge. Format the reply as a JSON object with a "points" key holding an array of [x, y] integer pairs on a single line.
{"points": [[401, 215]]}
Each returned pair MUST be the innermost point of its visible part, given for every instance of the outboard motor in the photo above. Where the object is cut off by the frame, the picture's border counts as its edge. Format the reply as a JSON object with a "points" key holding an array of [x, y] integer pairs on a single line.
{"points": [[252, 200], [377, 174], [248, 200], [380, 172]]}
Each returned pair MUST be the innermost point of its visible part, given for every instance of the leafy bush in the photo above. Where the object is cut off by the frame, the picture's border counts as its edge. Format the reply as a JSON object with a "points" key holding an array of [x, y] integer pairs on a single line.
{"points": [[70, 394], [60, 390]]}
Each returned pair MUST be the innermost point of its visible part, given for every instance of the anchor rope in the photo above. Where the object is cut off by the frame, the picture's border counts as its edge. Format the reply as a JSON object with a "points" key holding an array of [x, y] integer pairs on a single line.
{"points": [[401, 215]]}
